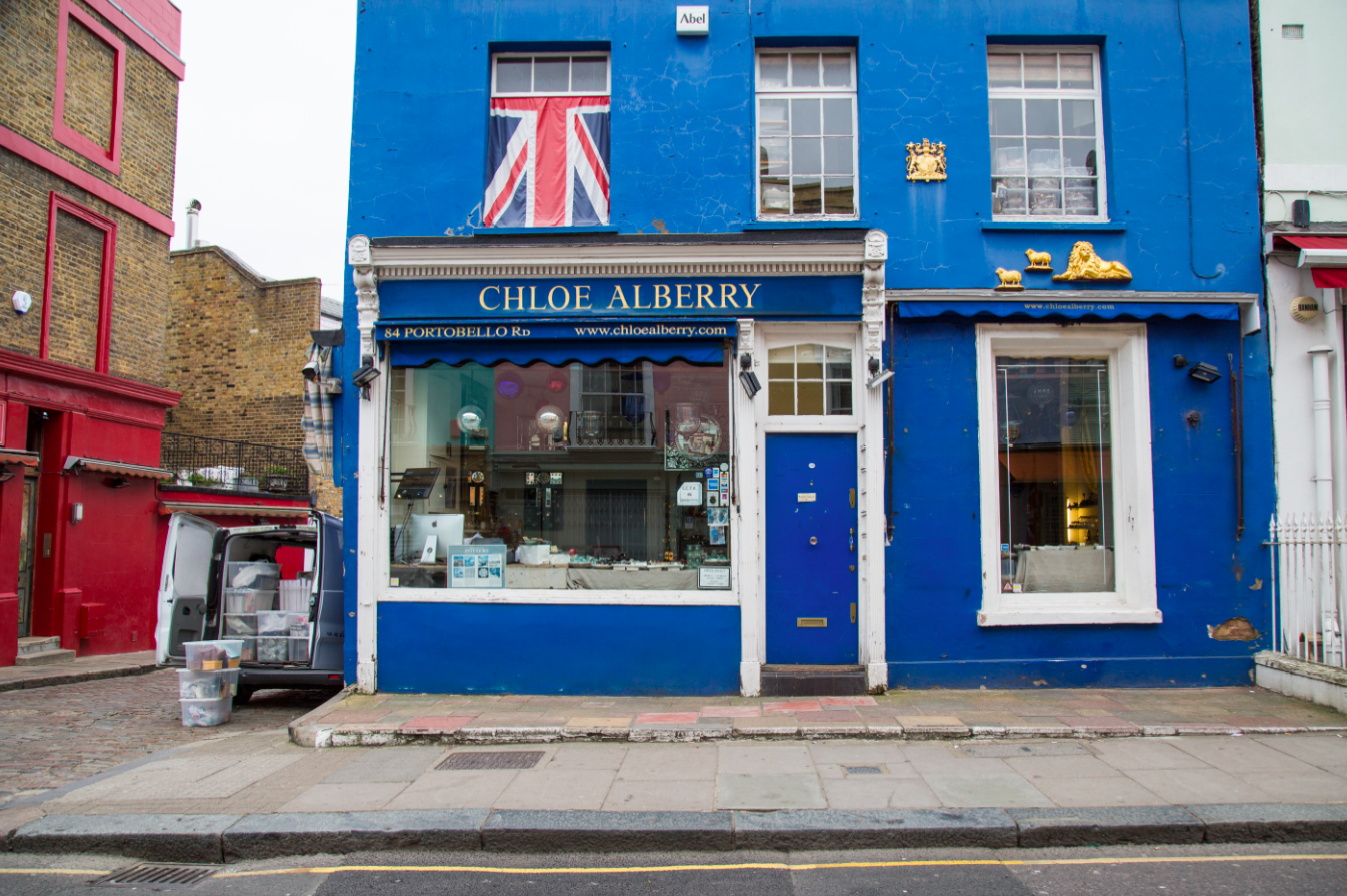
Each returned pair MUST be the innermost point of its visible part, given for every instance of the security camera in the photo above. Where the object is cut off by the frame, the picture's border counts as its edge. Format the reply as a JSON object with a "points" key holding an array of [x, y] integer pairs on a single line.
{"points": [[311, 370]]}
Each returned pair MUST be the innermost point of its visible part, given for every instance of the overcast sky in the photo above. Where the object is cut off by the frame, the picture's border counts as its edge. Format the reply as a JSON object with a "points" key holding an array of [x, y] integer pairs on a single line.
{"points": [[264, 132]]}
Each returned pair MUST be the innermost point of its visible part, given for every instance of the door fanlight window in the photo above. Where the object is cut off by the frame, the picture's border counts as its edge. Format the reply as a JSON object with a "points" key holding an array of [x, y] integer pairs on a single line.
{"points": [[809, 380]]}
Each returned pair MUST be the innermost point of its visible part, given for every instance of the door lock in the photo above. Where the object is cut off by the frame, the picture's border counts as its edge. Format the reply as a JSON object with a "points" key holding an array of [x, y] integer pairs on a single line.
{"points": [[813, 539]]}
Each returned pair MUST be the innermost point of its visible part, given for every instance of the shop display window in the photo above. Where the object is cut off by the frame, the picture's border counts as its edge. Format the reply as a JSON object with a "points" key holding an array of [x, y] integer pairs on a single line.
{"points": [[1067, 504], [1056, 477], [580, 476]]}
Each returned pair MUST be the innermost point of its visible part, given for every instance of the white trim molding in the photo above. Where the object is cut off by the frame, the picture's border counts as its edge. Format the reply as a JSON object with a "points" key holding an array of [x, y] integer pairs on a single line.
{"points": [[600, 259], [372, 517], [1134, 599]]}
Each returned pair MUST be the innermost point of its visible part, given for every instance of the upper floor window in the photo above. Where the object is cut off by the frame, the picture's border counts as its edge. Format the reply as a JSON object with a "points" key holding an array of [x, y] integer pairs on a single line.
{"points": [[1046, 141], [807, 154], [548, 141]]}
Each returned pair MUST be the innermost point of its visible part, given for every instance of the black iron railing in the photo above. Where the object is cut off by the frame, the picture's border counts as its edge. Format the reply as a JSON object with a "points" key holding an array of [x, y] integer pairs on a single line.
{"points": [[201, 462]]}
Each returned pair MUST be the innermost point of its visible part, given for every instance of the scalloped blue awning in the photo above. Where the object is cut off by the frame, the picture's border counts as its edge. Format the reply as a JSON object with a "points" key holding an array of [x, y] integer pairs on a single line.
{"points": [[1072, 308]]}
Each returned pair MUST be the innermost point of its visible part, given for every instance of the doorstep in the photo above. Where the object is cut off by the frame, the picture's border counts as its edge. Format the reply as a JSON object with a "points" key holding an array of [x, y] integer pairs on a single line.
{"points": [[351, 719]]}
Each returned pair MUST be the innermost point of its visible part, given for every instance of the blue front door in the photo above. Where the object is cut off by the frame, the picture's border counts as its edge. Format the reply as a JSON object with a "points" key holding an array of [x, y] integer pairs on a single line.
{"points": [[811, 548]]}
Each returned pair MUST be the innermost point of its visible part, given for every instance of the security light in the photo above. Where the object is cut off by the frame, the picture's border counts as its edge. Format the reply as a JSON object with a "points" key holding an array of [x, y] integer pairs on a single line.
{"points": [[1204, 373], [367, 374], [747, 377]]}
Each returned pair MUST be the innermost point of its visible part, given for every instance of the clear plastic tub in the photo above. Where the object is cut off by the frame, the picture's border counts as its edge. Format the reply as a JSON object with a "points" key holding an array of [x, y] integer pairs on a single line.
{"points": [[299, 650], [249, 600], [240, 624], [209, 685], [222, 654], [273, 623], [231, 677], [249, 652], [273, 650], [205, 713], [253, 574]]}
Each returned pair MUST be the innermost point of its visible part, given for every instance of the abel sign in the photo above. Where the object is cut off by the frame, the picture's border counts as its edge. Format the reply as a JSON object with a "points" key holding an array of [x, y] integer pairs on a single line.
{"points": [[694, 20]]}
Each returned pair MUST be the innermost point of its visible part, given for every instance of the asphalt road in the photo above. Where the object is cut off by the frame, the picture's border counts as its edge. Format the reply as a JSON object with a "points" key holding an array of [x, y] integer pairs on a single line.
{"points": [[1262, 870]]}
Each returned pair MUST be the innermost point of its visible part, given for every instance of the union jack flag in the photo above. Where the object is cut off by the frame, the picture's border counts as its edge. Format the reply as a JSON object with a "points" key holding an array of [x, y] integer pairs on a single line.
{"points": [[548, 158]]}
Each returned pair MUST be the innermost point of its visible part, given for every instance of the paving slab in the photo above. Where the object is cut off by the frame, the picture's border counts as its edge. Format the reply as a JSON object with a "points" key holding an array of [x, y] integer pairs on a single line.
{"points": [[874, 829], [158, 838], [1106, 826], [1272, 822], [340, 833], [607, 831], [769, 791]]}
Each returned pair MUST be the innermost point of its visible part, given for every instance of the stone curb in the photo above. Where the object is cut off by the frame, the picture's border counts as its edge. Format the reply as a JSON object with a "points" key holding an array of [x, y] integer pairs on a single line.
{"points": [[46, 681], [303, 731], [214, 838], [307, 733], [155, 838]]}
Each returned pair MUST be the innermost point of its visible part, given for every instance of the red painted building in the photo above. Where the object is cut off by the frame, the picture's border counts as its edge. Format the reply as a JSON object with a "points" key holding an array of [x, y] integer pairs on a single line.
{"points": [[87, 150]]}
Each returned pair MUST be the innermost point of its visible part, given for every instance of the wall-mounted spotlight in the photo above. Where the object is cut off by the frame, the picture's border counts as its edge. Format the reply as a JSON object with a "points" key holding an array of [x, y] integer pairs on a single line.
{"points": [[76, 512], [117, 482], [5, 473], [877, 376], [366, 374], [746, 375], [1204, 373]]}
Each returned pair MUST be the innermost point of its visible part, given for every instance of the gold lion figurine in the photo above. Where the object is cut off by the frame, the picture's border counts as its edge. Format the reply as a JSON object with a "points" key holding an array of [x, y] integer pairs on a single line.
{"points": [[1084, 264]]}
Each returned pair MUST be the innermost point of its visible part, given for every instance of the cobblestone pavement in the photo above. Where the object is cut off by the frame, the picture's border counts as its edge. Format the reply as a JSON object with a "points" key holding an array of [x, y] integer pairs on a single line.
{"points": [[54, 735]]}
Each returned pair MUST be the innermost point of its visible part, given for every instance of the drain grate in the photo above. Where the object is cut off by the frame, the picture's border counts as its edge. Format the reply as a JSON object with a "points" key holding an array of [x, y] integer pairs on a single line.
{"points": [[158, 876], [489, 760], [863, 769]]}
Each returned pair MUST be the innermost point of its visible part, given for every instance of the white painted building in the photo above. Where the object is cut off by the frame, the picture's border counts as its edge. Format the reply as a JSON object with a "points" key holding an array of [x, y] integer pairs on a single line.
{"points": [[1304, 160]]}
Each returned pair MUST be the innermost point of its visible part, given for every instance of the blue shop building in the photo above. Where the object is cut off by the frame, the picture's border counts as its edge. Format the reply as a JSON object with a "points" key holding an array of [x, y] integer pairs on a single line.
{"points": [[795, 347]]}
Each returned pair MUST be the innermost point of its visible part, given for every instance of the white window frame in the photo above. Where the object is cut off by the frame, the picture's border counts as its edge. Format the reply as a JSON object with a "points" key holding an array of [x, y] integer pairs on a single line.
{"points": [[1134, 599], [808, 93], [784, 336], [1056, 93], [608, 70]]}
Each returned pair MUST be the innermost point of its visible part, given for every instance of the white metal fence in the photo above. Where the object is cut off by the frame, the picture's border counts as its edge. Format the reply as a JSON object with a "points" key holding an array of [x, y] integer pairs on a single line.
{"points": [[1309, 559]]}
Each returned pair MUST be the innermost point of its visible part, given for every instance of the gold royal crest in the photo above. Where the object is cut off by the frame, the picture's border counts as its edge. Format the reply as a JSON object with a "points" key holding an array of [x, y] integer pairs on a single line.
{"points": [[926, 161]]}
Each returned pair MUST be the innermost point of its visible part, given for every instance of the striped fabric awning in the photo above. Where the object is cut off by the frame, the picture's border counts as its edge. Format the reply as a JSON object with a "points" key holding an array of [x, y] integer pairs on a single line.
{"points": [[22, 458], [317, 421]]}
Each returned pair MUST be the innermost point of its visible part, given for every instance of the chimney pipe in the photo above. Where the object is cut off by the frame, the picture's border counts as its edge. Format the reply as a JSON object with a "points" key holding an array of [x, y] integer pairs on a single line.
{"points": [[193, 223]]}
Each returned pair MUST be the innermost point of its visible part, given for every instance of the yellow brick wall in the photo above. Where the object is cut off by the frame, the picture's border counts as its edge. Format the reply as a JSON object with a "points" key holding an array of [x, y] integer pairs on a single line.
{"points": [[140, 279], [236, 347], [77, 269], [91, 75], [28, 36]]}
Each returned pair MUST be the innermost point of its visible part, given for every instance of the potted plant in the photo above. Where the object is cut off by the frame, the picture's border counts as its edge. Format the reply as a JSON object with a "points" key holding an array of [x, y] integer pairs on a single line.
{"points": [[201, 480], [278, 478], [248, 483]]}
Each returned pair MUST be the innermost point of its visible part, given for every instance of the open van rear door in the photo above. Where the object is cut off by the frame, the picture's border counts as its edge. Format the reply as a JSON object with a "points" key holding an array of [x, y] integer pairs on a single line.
{"points": [[183, 585]]}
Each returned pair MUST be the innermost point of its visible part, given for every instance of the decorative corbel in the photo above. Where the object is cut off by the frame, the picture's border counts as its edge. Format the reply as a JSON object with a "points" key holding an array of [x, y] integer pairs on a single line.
{"points": [[366, 290], [872, 294]]}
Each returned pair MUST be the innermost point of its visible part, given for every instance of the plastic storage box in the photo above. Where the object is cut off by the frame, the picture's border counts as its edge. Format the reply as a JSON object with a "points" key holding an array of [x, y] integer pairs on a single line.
{"points": [[249, 600], [273, 650], [253, 574], [273, 623], [205, 713], [241, 624], [205, 655], [208, 685]]}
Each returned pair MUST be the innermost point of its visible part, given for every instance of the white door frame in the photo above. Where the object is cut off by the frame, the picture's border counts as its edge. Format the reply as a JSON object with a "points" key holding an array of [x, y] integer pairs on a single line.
{"points": [[751, 428]]}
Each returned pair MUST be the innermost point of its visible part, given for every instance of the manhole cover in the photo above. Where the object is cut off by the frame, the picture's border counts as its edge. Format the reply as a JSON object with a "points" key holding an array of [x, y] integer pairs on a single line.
{"points": [[863, 769], [157, 876], [487, 760]]}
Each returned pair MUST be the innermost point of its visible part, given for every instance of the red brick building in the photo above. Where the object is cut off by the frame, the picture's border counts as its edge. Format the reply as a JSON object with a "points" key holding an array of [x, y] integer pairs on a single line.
{"points": [[88, 121]]}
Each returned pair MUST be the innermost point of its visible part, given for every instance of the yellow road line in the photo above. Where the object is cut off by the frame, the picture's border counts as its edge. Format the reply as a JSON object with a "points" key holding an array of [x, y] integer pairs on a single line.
{"points": [[82, 871], [782, 866]]}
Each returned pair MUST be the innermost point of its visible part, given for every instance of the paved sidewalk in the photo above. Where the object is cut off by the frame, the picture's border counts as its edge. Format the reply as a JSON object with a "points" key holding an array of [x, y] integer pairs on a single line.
{"points": [[370, 720], [258, 794], [86, 668]]}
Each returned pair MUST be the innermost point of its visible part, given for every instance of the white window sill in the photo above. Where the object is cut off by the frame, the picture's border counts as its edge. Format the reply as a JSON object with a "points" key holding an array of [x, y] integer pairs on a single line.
{"points": [[706, 598], [1069, 616]]}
